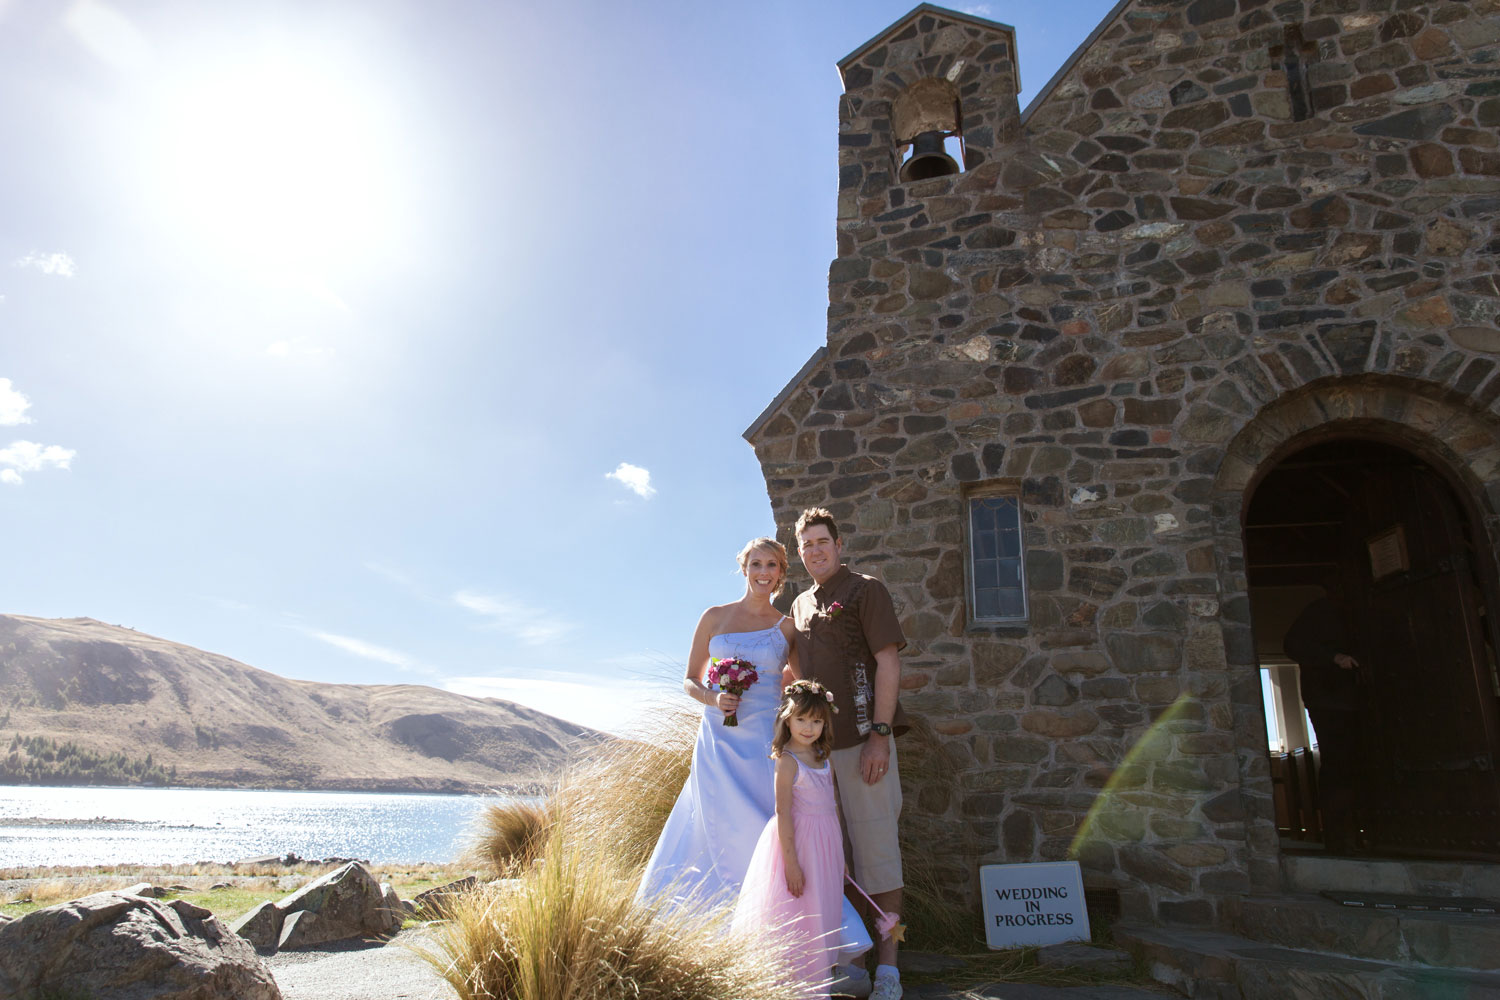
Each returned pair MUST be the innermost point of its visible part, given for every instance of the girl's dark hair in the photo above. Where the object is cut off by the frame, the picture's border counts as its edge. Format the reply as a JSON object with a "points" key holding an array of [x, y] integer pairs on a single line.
{"points": [[805, 698]]}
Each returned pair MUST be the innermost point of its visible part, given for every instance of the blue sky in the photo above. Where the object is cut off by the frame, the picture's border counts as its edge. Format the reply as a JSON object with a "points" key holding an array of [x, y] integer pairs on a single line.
{"points": [[393, 342]]}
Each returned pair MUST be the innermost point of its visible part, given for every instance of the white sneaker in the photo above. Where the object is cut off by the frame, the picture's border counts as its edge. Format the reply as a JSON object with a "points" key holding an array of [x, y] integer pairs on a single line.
{"points": [[850, 981], [887, 987]]}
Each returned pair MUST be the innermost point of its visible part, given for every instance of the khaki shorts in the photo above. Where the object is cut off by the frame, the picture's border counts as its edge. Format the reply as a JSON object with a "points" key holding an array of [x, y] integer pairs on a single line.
{"points": [[870, 815]]}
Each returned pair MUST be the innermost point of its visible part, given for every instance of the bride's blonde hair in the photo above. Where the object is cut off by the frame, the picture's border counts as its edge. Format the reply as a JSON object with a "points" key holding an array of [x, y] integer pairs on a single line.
{"points": [[772, 545], [805, 698]]}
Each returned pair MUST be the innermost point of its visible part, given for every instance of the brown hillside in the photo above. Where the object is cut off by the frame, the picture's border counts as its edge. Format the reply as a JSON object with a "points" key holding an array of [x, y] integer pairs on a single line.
{"points": [[221, 723]]}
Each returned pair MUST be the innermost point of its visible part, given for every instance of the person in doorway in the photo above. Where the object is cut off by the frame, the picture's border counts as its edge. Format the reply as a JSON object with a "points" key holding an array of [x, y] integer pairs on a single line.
{"points": [[849, 641], [1318, 642]]}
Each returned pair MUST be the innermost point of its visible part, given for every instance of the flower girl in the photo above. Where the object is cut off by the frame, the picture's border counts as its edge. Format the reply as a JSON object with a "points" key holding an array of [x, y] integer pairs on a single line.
{"points": [[794, 887]]}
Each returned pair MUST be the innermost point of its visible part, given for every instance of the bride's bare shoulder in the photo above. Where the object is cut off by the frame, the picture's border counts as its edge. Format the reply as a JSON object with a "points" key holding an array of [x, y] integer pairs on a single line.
{"points": [[714, 615]]}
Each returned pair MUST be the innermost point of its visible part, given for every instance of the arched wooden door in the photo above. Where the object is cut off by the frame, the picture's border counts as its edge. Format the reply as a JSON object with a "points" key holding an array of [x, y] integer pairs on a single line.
{"points": [[1415, 575]]}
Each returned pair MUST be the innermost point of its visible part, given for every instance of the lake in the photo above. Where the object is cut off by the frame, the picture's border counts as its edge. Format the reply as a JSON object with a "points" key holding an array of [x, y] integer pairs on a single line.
{"points": [[160, 826]]}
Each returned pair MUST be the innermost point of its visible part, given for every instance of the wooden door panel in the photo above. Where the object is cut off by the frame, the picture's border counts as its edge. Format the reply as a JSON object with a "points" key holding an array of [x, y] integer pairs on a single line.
{"points": [[1428, 784]]}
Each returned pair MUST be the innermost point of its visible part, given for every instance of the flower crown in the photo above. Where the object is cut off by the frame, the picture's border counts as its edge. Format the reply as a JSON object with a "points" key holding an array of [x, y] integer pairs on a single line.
{"points": [[812, 687]]}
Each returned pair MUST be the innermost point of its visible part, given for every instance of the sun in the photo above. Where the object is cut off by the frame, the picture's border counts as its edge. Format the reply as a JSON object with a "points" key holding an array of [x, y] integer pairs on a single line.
{"points": [[278, 163]]}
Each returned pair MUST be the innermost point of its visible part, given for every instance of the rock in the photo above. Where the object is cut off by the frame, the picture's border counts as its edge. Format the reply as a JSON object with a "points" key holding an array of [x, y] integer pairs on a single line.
{"points": [[145, 889], [348, 902], [302, 930], [219, 885], [262, 860], [261, 927], [112, 944], [432, 899], [397, 907]]}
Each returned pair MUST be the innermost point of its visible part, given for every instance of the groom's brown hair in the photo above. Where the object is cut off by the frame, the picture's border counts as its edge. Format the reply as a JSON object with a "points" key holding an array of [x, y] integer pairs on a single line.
{"points": [[816, 515]]}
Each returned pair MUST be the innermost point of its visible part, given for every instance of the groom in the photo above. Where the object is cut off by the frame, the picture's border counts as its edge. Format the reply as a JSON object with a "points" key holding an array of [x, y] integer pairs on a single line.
{"points": [[848, 639]]}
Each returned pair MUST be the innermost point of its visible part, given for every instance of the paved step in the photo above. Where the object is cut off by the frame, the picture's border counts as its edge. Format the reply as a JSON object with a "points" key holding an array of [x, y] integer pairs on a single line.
{"points": [[1211, 965], [1312, 874], [1311, 923]]}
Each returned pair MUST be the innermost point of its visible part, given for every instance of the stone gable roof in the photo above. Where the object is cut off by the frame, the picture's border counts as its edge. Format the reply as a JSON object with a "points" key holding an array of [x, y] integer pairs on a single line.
{"points": [[900, 25]]}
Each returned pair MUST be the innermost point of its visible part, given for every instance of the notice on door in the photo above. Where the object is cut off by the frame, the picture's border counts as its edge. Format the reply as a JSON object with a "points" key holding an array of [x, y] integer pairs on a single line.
{"points": [[1031, 905]]}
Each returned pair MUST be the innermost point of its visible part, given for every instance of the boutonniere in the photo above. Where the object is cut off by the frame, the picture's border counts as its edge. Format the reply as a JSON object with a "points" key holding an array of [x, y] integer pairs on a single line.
{"points": [[830, 613]]}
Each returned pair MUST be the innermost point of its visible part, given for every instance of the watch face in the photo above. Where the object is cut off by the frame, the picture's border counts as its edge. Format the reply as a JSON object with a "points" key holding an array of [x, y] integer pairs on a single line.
{"points": [[882, 728]]}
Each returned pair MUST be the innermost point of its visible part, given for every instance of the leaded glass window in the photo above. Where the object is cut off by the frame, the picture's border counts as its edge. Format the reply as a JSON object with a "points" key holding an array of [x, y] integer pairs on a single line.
{"points": [[997, 577]]}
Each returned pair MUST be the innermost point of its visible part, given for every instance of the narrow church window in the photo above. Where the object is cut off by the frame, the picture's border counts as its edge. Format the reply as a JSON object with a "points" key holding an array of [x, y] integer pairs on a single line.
{"points": [[997, 572], [1296, 55]]}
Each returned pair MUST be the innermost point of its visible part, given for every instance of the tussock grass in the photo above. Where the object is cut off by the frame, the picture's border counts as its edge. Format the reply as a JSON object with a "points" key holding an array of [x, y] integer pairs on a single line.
{"points": [[570, 929], [612, 803], [933, 922], [566, 926], [510, 837], [615, 800]]}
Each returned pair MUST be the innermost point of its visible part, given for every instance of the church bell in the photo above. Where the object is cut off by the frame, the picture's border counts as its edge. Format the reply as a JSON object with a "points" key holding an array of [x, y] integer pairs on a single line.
{"points": [[928, 159]]}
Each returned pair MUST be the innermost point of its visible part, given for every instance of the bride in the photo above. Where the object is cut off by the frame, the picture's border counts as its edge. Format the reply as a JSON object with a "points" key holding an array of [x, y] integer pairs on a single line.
{"points": [[706, 844]]}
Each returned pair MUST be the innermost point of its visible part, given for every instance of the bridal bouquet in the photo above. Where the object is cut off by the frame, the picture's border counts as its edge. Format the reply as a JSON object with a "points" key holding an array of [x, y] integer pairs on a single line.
{"points": [[734, 675]]}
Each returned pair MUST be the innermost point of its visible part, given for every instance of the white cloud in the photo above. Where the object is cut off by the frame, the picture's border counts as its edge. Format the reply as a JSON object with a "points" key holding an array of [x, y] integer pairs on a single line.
{"points": [[633, 478], [28, 456], [530, 625], [612, 704], [13, 405], [978, 10], [366, 650], [57, 264]]}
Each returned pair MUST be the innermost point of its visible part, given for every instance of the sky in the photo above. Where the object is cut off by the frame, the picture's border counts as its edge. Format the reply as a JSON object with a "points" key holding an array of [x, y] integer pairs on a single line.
{"points": [[399, 342]]}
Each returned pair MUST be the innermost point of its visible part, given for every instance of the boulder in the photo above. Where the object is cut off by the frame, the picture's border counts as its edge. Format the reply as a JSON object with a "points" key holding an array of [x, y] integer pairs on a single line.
{"points": [[433, 899], [394, 903], [349, 903], [301, 930], [112, 944], [261, 926], [145, 889]]}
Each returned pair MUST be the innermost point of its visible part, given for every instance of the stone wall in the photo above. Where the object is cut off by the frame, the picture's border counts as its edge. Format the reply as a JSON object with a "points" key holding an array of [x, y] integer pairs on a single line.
{"points": [[1223, 208]]}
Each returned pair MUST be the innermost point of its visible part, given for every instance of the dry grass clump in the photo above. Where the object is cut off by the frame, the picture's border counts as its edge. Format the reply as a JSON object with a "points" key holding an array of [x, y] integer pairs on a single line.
{"points": [[510, 837], [570, 929], [616, 799], [932, 921], [61, 890], [611, 804]]}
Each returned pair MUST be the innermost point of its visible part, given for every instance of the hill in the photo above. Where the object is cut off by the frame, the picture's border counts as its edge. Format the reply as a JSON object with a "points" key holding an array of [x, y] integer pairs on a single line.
{"points": [[90, 695]]}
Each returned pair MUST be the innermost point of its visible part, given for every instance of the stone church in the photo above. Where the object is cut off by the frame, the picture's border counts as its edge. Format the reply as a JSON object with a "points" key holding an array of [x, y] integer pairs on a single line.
{"points": [[1115, 385]]}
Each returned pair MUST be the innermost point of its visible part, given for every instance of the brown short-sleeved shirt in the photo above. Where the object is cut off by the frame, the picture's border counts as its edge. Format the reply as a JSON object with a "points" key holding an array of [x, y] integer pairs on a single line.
{"points": [[838, 650]]}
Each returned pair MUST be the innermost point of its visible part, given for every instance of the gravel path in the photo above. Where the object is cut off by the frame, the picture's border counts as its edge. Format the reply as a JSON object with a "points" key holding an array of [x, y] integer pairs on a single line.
{"points": [[393, 971], [360, 971]]}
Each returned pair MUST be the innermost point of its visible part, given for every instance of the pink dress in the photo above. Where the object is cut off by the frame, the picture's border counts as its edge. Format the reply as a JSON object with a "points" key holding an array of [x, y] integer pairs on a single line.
{"points": [[810, 922]]}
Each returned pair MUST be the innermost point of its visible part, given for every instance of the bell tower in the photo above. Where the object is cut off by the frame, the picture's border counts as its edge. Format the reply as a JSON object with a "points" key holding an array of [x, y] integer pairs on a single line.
{"points": [[933, 95]]}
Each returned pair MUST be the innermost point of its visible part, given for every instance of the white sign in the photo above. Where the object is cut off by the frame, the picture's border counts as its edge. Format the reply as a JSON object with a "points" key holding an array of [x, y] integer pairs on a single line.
{"points": [[1030, 905]]}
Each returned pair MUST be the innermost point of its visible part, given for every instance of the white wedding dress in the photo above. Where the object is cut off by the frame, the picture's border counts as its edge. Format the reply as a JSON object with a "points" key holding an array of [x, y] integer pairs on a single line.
{"points": [[705, 847]]}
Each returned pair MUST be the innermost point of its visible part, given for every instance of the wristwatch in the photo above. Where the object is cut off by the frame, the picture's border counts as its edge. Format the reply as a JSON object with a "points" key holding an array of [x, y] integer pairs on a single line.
{"points": [[881, 728]]}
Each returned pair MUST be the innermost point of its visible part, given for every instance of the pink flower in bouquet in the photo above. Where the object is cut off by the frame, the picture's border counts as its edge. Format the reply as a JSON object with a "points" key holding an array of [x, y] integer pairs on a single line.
{"points": [[733, 675]]}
